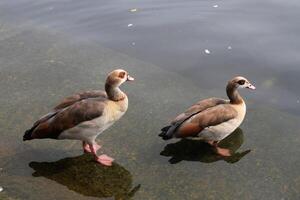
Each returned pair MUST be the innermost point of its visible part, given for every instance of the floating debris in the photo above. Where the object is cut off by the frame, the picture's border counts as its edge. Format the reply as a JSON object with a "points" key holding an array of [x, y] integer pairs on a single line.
{"points": [[1, 189], [129, 25], [133, 43], [229, 47], [215, 6], [207, 51], [133, 10]]}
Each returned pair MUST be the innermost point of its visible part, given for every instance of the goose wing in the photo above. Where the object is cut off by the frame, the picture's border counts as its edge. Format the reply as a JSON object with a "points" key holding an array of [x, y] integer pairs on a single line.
{"points": [[80, 96], [198, 107], [57, 122], [210, 117]]}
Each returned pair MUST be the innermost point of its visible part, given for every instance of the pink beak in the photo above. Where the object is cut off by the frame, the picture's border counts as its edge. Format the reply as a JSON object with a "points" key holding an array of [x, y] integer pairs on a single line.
{"points": [[252, 87], [129, 78]]}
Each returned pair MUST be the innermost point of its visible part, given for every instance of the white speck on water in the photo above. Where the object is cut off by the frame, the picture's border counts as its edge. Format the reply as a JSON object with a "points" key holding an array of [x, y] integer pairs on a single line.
{"points": [[129, 25], [133, 10], [1, 189], [298, 101], [229, 47], [215, 6], [133, 43], [51, 8], [207, 51]]}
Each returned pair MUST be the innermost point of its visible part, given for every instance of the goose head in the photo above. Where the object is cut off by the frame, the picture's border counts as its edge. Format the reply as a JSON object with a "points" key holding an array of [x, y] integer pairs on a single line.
{"points": [[241, 82], [233, 85], [118, 77]]}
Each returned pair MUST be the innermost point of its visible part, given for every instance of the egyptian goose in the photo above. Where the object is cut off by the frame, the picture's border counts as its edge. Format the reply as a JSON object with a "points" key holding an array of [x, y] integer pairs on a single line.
{"points": [[85, 115], [213, 119]]}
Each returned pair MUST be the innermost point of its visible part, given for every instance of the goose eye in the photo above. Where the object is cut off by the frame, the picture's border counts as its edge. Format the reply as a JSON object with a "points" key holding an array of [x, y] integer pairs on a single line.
{"points": [[122, 74], [241, 82]]}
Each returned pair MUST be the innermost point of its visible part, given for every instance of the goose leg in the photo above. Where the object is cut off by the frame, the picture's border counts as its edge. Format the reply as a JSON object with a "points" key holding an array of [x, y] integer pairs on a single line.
{"points": [[87, 149], [102, 159], [220, 151]]}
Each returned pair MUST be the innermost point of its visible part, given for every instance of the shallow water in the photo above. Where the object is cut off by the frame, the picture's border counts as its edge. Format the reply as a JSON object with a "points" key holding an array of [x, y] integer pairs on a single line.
{"points": [[51, 49]]}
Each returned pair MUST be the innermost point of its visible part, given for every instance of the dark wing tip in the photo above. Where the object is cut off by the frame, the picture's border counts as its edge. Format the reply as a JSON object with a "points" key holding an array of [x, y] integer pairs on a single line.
{"points": [[165, 129], [164, 135], [164, 132], [27, 135]]}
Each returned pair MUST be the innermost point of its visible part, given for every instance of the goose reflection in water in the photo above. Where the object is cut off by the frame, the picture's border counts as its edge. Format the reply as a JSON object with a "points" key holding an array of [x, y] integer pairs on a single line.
{"points": [[82, 175], [195, 150]]}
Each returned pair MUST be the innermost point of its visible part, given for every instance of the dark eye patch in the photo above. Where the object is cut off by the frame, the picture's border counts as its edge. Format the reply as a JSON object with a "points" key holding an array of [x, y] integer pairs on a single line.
{"points": [[122, 74], [241, 82]]}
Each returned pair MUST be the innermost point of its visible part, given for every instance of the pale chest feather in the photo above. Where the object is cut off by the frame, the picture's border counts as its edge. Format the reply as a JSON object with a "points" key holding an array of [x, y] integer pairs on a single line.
{"points": [[112, 113], [115, 110], [241, 109]]}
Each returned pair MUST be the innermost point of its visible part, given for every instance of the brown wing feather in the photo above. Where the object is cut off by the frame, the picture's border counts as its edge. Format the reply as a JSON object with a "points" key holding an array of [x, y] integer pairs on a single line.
{"points": [[80, 96], [209, 117], [69, 117], [198, 107], [188, 130]]}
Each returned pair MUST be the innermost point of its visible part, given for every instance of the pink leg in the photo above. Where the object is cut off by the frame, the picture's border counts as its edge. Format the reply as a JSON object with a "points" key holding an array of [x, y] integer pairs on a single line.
{"points": [[219, 150], [103, 159], [87, 149]]}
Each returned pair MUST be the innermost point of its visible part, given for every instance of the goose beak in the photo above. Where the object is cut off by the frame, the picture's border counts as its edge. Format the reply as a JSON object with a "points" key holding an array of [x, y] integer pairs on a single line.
{"points": [[129, 78], [250, 86]]}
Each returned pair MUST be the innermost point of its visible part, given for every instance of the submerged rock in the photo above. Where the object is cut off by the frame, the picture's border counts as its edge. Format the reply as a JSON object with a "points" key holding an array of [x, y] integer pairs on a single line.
{"points": [[3, 196]]}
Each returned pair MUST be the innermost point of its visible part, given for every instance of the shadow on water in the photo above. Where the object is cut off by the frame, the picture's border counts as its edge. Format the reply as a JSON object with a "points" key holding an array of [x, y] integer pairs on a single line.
{"points": [[82, 175], [195, 150]]}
